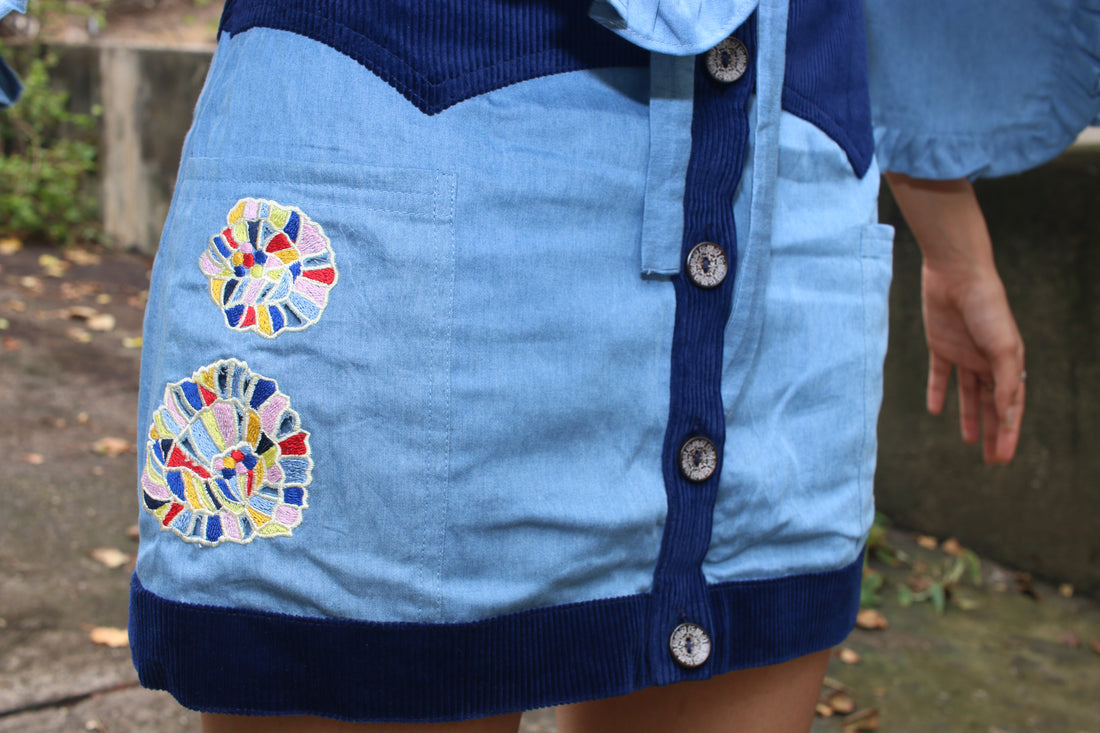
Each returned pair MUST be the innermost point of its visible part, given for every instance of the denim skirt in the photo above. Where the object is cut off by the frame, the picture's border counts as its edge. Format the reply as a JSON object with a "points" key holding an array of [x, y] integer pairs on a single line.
{"points": [[472, 390]]}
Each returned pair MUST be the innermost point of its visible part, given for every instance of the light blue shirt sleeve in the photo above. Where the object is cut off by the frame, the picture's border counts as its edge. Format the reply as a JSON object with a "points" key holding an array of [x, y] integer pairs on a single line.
{"points": [[974, 88], [675, 27], [10, 88]]}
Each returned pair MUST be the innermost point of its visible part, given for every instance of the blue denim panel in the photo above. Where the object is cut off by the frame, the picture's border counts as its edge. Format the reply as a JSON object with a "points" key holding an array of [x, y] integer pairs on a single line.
{"points": [[800, 443], [423, 389]]}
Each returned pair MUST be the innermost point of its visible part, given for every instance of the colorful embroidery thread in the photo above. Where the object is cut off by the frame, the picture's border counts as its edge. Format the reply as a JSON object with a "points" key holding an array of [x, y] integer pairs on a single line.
{"points": [[227, 459], [270, 270]]}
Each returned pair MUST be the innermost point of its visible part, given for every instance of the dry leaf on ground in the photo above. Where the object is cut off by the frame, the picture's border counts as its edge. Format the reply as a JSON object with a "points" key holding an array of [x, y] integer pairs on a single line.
{"points": [[79, 335], [132, 532], [848, 656], [35, 459], [1065, 590], [10, 245], [1095, 645], [102, 322], [131, 342], [871, 619], [841, 704], [111, 446], [30, 282], [103, 298], [12, 344], [823, 711], [5, 324], [82, 257], [110, 557], [83, 312], [53, 266], [109, 636], [15, 306], [927, 541], [952, 547]]}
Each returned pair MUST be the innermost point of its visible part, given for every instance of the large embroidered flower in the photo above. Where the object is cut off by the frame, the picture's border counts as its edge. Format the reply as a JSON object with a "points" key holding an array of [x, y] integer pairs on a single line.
{"points": [[227, 459], [270, 270]]}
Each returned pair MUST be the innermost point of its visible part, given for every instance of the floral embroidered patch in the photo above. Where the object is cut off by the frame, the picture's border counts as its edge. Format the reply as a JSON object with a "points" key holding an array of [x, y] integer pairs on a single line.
{"points": [[227, 459], [270, 270]]}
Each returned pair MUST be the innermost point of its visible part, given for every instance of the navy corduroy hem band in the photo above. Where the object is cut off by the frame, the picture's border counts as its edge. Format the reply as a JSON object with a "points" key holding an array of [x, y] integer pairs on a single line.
{"points": [[402, 672]]}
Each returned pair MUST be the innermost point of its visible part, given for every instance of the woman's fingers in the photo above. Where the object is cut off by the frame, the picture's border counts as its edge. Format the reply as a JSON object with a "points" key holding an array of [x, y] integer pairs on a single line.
{"points": [[939, 372], [970, 405]]}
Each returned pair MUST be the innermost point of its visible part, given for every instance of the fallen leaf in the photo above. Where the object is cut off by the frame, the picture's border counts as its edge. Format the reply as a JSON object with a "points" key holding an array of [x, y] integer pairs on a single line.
{"points": [[82, 418], [1065, 590], [138, 301], [12, 344], [82, 257], [79, 335], [30, 282], [848, 656], [919, 583], [952, 547], [864, 720], [102, 322], [5, 324], [836, 685], [35, 459], [841, 703], [871, 619], [110, 446], [83, 312], [132, 532], [10, 246], [927, 541], [15, 306], [823, 711], [131, 342], [53, 266], [103, 298], [1094, 644], [109, 636], [93, 725], [78, 290], [110, 557], [1024, 586]]}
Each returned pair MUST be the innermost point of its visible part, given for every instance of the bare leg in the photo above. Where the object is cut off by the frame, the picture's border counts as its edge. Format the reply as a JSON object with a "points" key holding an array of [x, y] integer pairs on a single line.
{"points": [[776, 699], [214, 723]]}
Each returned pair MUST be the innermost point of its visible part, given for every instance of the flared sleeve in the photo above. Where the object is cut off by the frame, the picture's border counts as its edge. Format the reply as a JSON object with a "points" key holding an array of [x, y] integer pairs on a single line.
{"points": [[10, 88], [674, 27], [972, 88]]}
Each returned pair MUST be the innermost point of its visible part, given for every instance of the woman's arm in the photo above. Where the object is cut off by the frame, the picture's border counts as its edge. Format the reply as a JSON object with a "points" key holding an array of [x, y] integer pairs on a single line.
{"points": [[967, 320]]}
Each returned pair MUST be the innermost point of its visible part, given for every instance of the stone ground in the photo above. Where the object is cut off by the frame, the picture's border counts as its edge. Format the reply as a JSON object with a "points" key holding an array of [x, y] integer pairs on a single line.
{"points": [[1022, 659]]}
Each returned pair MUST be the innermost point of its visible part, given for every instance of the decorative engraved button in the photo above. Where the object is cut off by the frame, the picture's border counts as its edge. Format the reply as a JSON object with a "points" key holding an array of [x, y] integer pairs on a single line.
{"points": [[690, 645], [728, 61], [698, 459], [707, 265]]}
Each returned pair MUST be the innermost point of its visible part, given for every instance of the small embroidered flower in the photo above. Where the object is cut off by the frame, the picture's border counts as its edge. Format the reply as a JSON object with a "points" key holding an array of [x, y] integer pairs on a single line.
{"points": [[227, 459], [270, 270]]}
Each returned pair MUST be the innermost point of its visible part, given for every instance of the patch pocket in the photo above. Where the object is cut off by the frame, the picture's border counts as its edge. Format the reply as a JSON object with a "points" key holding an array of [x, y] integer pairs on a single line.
{"points": [[369, 372]]}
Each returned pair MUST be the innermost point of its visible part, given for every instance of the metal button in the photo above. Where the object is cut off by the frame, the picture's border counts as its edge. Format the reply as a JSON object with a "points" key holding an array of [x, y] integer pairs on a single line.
{"points": [[728, 61], [707, 265], [698, 459], [690, 645]]}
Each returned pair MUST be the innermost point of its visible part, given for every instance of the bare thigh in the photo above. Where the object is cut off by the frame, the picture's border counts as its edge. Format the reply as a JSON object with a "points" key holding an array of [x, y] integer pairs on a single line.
{"points": [[775, 699], [214, 723]]}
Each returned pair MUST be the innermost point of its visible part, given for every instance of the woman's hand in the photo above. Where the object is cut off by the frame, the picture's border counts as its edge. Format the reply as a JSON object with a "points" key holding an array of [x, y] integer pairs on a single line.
{"points": [[967, 320]]}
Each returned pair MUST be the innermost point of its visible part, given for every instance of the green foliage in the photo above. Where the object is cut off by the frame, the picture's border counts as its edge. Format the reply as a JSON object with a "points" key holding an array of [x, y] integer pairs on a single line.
{"points": [[47, 162]]}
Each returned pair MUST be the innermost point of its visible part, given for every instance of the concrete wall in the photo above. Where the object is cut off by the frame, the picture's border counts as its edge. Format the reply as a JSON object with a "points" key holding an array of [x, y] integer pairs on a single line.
{"points": [[147, 96], [1040, 514]]}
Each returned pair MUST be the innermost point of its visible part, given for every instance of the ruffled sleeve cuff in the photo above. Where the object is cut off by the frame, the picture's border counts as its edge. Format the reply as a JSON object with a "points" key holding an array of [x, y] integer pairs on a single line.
{"points": [[675, 27], [962, 88]]}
